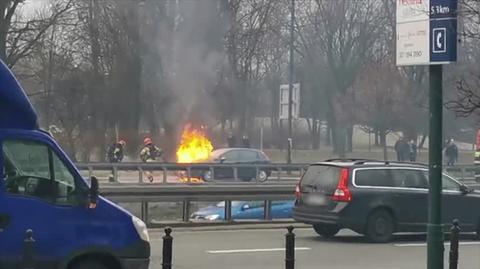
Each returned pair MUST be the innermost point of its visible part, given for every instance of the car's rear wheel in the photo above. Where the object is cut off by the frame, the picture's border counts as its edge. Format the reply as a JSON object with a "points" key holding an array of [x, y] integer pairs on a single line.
{"points": [[380, 226], [326, 230]]}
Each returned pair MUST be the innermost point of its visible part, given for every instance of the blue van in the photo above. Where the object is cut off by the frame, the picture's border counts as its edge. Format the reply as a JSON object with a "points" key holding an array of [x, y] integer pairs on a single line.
{"points": [[42, 190]]}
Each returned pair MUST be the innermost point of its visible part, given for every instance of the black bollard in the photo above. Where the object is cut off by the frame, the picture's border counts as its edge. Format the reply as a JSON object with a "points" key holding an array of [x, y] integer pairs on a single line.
{"points": [[455, 233], [290, 248], [28, 250], [167, 249]]}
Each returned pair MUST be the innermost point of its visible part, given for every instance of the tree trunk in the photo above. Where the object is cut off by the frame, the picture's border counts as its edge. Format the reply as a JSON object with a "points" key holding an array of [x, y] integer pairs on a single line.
{"points": [[280, 138], [383, 142], [377, 137], [330, 126], [339, 134], [350, 139], [316, 135]]}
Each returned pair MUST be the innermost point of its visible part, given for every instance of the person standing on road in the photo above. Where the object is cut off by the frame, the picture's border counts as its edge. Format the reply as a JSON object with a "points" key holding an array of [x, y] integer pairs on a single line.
{"points": [[231, 140], [402, 149], [150, 153], [451, 152], [115, 154], [413, 151], [245, 141]]}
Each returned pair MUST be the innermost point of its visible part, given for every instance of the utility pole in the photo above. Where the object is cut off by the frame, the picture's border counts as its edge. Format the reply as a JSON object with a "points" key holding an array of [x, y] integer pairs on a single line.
{"points": [[290, 82], [434, 229]]}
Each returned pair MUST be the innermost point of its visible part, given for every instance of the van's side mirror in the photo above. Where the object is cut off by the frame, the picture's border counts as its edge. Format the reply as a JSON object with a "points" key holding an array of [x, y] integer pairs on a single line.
{"points": [[93, 193]]}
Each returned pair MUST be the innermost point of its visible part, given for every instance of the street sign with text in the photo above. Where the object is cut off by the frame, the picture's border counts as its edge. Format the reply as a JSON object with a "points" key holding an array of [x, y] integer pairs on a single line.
{"points": [[283, 109], [426, 32]]}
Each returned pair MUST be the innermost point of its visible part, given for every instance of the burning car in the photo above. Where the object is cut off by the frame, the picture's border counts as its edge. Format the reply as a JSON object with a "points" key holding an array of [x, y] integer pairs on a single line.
{"points": [[235, 156], [195, 147]]}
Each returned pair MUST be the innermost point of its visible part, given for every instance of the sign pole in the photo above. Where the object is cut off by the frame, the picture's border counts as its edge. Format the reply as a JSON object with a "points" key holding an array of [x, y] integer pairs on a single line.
{"points": [[435, 248], [290, 81], [427, 35]]}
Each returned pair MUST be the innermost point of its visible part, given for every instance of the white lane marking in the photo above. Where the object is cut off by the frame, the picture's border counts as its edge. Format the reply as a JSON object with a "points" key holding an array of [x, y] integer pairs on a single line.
{"points": [[425, 244], [230, 251]]}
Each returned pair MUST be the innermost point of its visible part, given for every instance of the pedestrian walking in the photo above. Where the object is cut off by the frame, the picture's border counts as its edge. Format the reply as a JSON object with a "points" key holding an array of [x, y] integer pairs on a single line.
{"points": [[150, 153], [451, 152], [413, 151]]}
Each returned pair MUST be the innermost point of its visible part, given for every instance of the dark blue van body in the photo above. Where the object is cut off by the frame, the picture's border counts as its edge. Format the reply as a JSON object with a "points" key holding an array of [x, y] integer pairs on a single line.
{"points": [[41, 190]]}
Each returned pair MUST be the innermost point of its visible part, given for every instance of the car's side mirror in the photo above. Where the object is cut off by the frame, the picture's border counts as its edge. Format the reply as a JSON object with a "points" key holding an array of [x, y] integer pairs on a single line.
{"points": [[245, 207], [223, 159], [93, 193]]}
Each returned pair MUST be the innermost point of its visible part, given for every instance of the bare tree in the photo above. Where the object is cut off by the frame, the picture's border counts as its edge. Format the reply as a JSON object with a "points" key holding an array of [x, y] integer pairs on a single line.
{"points": [[249, 19], [346, 33], [19, 34]]}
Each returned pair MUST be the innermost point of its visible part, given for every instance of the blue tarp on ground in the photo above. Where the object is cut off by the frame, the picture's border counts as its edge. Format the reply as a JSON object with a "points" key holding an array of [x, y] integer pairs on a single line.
{"points": [[16, 111]]}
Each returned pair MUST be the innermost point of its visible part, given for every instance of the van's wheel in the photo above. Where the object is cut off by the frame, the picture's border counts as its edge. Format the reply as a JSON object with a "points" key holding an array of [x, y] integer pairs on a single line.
{"points": [[89, 265], [326, 230], [380, 226]]}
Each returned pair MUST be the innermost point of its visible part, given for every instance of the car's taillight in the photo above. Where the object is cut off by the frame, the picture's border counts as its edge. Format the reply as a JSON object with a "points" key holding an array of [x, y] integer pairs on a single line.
{"points": [[298, 193], [342, 193]]}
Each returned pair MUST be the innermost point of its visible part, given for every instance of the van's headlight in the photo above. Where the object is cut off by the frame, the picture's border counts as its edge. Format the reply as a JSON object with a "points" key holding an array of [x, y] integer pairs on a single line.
{"points": [[141, 228]]}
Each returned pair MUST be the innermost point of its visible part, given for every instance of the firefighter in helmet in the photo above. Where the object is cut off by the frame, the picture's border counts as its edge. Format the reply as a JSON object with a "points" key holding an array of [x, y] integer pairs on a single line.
{"points": [[150, 153]]}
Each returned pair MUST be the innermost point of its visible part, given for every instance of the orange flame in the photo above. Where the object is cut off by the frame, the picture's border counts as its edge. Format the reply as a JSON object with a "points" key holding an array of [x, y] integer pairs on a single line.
{"points": [[194, 146]]}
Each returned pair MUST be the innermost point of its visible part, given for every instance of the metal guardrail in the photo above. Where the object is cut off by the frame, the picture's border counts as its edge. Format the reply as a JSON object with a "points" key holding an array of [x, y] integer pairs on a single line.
{"points": [[214, 192], [279, 171], [465, 172], [208, 193]]}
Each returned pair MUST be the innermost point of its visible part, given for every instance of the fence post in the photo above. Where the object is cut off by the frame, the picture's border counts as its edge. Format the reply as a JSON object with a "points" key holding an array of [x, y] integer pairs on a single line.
{"points": [[140, 175], [186, 211], [267, 210], [455, 233], [167, 249], [28, 250], [165, 172], [228, 210], [235, 173], [290, 249]]}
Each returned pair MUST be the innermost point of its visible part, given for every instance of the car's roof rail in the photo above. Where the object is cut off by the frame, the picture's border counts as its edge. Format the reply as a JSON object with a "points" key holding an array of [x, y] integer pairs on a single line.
{"points": [[389, 162], [410, 163], [346, 160]]}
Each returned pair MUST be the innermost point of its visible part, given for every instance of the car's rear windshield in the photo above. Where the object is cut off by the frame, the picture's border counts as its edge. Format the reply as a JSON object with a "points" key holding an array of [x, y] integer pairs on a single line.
{"points": [[323, 177]]}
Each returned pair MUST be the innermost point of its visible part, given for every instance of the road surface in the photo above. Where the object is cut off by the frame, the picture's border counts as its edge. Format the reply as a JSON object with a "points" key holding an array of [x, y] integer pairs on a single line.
{"points": [[263, 249]]}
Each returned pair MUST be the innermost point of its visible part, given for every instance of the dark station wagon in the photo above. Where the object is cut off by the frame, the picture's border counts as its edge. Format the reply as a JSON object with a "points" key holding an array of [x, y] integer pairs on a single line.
{"points": [[378, 199]]}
